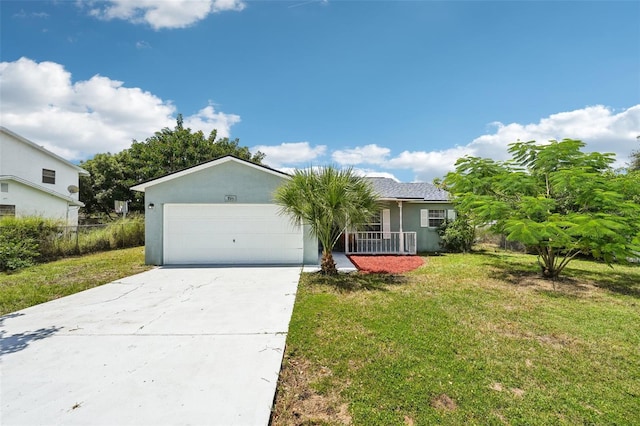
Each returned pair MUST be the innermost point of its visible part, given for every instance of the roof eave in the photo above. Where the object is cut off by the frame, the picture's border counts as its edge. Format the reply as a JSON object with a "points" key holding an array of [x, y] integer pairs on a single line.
{"points": [[414, 200], [68, 199], [141, 187], [26, 141]]}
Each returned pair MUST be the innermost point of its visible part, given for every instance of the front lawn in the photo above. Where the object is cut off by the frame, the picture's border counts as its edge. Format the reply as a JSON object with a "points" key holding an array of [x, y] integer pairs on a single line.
{"points": [[465, 339], [48, 281]]}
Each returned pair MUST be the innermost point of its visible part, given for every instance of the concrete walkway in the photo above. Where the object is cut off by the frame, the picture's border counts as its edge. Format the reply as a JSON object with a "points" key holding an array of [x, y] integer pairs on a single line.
{"points": [[166, 347], [342, 263]]}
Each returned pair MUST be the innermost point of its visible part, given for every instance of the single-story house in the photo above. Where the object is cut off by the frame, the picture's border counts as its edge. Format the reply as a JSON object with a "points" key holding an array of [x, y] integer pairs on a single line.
{"points": [[222, 212], [36, 182], [408, 222]]}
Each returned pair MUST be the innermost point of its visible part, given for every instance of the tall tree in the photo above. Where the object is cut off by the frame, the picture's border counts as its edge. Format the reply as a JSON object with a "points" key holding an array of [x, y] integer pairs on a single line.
{"points": [[554, 198], [328, 200], [635, 159], [167, 151], [170, 150], [107, 182]]}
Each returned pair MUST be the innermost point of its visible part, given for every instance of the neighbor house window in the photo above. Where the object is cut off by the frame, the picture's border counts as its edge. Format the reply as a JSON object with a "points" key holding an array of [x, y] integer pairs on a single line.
{"points": [[7, 210], [432, 218], [4, 187], [48, 176]]}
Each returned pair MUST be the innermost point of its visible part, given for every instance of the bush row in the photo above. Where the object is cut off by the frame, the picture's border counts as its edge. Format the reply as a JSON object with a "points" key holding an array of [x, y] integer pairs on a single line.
{"points": [[30, 240]]}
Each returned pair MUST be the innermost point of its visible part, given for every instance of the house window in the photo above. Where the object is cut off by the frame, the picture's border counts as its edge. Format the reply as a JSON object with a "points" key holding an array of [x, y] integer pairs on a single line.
{"points": [[432, 218], [381, 223], [48, 176], [375, 225], [7, 210], [4, 187]]}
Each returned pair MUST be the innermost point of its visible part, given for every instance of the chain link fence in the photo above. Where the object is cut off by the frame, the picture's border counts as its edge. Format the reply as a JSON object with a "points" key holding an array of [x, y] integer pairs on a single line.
{"points": [[25, 241], [82, 239]]}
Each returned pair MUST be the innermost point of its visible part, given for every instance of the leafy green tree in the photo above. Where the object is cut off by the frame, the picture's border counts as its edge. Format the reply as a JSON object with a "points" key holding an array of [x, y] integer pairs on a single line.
{"points": [[328, 200], [167, 151], [635, 161], [170, 150], [107, 181], [554, 198]]}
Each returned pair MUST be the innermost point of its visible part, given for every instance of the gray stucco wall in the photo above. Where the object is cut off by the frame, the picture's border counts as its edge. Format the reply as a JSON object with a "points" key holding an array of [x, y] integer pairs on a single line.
{"points": [[427, 238], [211, 185]]}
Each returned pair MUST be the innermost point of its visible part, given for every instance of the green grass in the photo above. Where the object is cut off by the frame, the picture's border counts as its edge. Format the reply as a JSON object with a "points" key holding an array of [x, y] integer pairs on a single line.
{"points": [[480, 332], [41, 283]]}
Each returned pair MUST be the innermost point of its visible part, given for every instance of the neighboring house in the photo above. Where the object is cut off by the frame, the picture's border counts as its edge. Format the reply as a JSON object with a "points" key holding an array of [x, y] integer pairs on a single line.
{"points": [[36, 182], [408, 222], [221, 212]]}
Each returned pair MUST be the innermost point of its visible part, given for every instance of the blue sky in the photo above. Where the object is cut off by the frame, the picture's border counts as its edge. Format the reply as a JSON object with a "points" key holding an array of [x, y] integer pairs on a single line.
{"points": [[391, 88]]}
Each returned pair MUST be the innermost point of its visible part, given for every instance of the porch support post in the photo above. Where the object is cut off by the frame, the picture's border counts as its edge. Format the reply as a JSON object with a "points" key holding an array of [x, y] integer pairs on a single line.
{"points": [[401, 236], [346, 239]]}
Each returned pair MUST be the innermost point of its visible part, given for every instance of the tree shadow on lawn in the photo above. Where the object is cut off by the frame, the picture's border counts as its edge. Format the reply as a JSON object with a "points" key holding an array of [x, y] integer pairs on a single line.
{"points": [[616, 281], [573, 281], [357, 281]]}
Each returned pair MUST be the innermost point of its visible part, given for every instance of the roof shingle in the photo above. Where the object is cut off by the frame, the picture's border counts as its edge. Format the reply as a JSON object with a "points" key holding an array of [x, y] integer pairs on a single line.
{"points": [[389, 188]]}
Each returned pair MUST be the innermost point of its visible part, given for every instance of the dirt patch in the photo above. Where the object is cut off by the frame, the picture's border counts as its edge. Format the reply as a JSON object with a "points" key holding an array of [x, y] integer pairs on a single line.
{"points": [[444, 402], [517, 392], [496, 387], [562, 286], [297, 403], [387, 264]]}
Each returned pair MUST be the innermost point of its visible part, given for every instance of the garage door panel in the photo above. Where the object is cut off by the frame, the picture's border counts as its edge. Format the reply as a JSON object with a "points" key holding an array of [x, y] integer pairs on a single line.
{"points": [[229, 234]]}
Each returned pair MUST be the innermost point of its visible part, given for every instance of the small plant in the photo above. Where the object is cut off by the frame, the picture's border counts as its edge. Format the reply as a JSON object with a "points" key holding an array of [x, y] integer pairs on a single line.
{"points": [[457, 235]]}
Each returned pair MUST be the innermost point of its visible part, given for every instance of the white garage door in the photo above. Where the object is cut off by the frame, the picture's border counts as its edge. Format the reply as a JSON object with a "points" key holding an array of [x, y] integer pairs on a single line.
{"points": [[229, 234]]}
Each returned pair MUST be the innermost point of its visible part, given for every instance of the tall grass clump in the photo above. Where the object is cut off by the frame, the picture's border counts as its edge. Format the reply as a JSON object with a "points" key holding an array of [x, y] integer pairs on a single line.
{"points": [[122, 233], [29, 240]]}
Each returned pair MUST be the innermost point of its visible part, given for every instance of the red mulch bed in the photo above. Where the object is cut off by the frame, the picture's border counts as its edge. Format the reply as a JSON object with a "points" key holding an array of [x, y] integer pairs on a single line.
{"points": [[386, 264]]}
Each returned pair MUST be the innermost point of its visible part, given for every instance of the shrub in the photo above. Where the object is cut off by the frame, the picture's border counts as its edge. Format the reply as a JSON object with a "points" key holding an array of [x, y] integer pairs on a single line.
{"points": [[22, 240], [457, 235]]}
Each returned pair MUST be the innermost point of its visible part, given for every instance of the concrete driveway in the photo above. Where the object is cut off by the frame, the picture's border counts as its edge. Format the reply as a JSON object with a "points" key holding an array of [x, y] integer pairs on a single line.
{"points": [[198, 346]]}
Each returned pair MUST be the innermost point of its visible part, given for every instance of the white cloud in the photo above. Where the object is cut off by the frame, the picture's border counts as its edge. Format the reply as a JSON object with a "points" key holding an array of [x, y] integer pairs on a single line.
{"points": [[161, 14], [22, 14], [428, 164], [78, 120], [290, 153], [368, 154], [208, 119], [601, 128], [374, 173], [142, 45]]}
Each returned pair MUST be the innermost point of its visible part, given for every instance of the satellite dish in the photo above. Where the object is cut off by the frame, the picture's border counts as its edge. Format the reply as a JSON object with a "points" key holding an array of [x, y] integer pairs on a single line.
{"points": [[72, 189]]}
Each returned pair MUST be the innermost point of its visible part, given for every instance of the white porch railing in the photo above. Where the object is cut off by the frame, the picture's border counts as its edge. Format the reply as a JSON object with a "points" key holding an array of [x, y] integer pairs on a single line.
{"points": [[381, 243]]}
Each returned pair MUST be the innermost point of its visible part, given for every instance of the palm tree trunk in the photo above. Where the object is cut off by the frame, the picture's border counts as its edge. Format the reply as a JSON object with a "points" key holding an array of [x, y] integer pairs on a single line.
{"points": [[327, 265]]}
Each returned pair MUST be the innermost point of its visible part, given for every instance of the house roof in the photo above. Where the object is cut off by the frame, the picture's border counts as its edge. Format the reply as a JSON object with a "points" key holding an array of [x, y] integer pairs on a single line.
{"points": [[389, 189], [26, 141], [71, 201], [227, 158]]}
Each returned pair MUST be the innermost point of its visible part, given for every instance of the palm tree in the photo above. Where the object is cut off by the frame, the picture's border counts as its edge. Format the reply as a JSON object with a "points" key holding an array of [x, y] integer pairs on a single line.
{"points": [[328, 200]]}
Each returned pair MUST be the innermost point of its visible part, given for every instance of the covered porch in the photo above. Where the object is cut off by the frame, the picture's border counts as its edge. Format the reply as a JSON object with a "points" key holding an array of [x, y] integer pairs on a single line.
{"points": [[408, 221], [371, 242], [378, 238]]}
